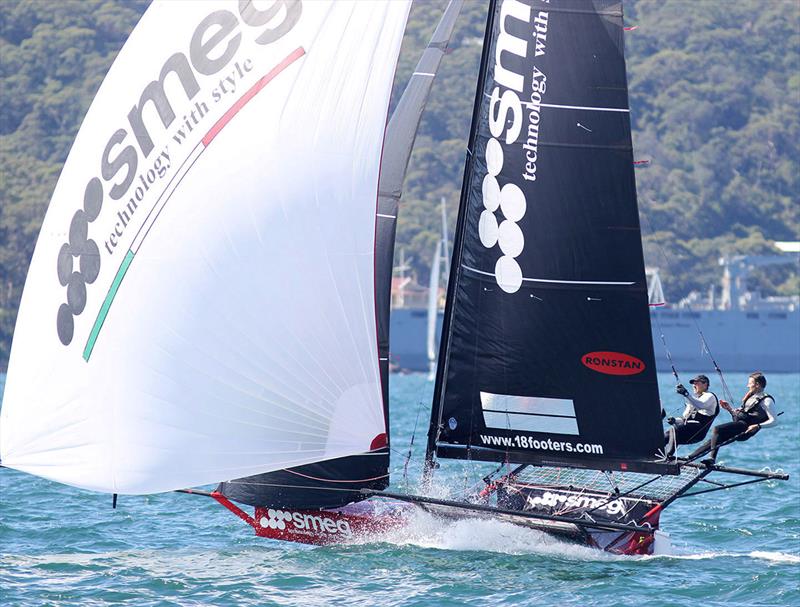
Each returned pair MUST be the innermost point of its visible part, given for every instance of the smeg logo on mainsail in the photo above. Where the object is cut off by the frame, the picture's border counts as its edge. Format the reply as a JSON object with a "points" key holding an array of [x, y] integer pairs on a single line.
{"points": [[510, 199], [613, 363], [505, 122], [214, 43]]}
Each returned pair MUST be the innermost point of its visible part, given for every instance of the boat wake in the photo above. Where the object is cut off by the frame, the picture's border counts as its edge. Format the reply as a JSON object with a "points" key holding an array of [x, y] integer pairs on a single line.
{"points": [[427, 531], [775, 557]]}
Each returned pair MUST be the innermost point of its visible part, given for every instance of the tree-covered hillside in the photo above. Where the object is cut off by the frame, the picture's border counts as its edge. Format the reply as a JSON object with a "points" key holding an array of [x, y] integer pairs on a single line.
{"points": [[714, 95], [53, 56], [715, 91]]}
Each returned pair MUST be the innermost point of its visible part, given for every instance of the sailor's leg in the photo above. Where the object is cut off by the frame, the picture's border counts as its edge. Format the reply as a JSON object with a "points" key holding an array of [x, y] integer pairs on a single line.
{"points": [[698, 431], [669, 442], [684, 432], [721, 434], [705, 447]]}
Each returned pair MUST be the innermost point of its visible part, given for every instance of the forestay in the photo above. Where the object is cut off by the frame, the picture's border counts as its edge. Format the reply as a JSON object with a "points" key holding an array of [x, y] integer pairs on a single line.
{"points": [[201, 300], [547, 354]]}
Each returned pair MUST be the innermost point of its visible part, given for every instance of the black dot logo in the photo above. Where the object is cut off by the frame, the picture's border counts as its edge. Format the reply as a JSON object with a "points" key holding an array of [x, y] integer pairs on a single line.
{"points": [[88, 266], [89, 261], [65, 324], [64, 264], [93, 199], [78, 230], [76, 293]]}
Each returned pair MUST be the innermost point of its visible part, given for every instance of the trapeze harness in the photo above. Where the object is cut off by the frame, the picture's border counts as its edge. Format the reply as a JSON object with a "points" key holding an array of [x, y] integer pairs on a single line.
{"points": [[747, 415], [754, 413], [694, 427]]}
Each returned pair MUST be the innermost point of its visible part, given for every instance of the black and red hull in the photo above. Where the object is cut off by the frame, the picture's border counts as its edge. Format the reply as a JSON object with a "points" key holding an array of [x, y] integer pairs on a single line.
{"points": [[371, 518]]}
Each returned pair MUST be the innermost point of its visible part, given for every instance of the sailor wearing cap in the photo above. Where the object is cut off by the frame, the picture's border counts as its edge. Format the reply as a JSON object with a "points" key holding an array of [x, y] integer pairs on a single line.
{"points": [[701, 409], [754, 414]]}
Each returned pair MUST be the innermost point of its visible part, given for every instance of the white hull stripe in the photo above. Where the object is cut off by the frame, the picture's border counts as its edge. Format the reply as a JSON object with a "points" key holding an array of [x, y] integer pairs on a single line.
{"points": [[561, 282]]}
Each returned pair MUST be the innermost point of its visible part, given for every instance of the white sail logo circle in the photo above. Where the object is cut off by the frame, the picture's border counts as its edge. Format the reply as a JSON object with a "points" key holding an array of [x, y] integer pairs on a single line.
{"points": [[510, 200], [487, 229], [277, 519]]}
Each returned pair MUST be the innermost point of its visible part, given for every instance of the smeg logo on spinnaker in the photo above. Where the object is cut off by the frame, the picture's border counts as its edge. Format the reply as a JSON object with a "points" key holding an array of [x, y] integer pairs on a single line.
{"points": [[613, 363], [214, 43]]}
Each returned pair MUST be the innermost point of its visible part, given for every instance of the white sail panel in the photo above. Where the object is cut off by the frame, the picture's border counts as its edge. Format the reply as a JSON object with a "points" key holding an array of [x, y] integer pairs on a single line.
{"points": [[200, 305]]}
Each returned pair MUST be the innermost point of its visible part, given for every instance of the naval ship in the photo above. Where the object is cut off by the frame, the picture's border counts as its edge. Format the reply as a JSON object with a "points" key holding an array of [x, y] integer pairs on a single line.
{"points": [[743, 330]]}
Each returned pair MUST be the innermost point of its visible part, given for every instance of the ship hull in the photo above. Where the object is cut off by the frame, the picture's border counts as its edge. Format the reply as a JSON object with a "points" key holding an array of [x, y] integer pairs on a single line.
{"points": [[740, 341]]}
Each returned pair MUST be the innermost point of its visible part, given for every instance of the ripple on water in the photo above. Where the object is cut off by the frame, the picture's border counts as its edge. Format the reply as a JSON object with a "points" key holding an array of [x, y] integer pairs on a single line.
{"points": [[61, 546]]}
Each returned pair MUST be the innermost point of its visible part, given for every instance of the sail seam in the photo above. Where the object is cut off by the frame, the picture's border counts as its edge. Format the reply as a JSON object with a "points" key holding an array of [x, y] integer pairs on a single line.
{"points": [[580, 107], [591, 108], [548, 280]]}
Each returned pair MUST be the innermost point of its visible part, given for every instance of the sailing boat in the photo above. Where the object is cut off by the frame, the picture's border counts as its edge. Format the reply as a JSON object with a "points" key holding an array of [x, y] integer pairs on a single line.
{"points": [[439, 257], [194, 347]]}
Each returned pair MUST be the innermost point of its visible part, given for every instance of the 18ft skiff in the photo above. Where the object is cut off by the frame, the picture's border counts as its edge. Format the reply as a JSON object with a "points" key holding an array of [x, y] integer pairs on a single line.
{"points": [[208, 301]]}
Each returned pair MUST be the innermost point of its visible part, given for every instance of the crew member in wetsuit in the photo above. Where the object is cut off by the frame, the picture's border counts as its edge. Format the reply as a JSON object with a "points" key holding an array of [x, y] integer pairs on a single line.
{"points": [[754, 414], [692, 426]]}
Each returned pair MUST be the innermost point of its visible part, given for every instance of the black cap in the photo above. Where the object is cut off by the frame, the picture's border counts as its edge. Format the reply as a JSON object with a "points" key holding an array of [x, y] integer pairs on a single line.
{"points": [[701, 378]]}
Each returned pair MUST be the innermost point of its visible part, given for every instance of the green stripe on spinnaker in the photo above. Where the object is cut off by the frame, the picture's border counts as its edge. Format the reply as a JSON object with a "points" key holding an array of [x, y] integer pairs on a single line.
{"points": [[101, 316]]}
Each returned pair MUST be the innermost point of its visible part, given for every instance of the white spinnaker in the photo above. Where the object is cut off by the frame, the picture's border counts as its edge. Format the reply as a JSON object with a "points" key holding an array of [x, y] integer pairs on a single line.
{"points": [[231, 329]]}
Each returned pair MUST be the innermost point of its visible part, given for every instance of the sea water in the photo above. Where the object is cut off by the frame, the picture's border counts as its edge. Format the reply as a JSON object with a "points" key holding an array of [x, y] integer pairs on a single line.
{"points": [[65, 546]]}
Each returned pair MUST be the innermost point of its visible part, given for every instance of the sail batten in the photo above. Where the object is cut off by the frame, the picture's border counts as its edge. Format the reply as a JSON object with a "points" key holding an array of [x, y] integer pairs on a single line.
{"points": [[556, 281]]}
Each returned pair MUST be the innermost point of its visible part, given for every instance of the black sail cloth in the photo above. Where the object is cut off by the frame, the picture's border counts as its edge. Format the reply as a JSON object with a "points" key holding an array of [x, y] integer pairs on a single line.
{"points": [[326, 484], [547, 354]]}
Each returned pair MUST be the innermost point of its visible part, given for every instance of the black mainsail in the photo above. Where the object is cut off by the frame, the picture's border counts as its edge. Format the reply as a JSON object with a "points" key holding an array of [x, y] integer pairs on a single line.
{"points": [[546, 352], [337, 482]]}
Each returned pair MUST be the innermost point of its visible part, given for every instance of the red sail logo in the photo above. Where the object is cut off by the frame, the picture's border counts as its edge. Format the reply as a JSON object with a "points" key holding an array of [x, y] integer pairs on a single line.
{"points": [[613, 363]]}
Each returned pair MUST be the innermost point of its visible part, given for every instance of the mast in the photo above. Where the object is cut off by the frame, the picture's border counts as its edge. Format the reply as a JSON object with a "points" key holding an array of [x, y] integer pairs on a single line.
{"points": [[435, 423], [440, 257], [399, 142], [433, 307], [445, 238]]}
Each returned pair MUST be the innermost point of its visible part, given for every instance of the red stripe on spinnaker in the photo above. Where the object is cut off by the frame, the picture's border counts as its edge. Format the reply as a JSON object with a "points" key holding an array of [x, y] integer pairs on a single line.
{"points": [[220, 124]]}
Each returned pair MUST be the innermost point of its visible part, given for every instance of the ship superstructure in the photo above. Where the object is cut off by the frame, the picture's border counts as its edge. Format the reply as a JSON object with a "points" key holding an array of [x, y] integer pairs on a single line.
{"points": [[745, 330]]}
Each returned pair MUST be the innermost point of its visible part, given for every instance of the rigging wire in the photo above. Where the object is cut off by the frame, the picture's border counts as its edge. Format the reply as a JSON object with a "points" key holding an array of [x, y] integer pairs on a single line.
{"points": [[669, 357], [411, 445], [725, 389], [666, 349], [706, 349]]}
